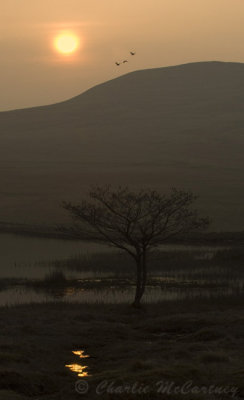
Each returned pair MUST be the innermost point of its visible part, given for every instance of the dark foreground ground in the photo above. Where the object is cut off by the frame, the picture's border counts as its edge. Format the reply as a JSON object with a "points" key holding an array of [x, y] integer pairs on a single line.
{"points": [[201, 342]]}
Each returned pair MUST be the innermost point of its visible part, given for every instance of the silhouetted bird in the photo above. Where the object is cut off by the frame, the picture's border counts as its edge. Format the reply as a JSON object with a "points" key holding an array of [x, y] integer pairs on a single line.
{"points": [[132, 53], [117, 63], [125, 61]]}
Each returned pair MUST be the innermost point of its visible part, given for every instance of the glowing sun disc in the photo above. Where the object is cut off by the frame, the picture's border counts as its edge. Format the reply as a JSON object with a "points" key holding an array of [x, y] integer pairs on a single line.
{"points": [[66, 43]]}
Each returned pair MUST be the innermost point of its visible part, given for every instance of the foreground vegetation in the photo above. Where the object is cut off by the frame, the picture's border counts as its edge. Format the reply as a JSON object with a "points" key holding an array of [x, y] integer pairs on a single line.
{"points": [[175, 342]]}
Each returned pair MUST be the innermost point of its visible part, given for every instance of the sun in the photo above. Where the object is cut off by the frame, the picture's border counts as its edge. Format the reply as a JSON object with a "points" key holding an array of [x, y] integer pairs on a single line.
{"points": [[66, 43]]}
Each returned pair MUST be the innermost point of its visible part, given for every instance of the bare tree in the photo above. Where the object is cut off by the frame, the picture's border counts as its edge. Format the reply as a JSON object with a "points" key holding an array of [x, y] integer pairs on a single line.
{"points": [[136, 222]]}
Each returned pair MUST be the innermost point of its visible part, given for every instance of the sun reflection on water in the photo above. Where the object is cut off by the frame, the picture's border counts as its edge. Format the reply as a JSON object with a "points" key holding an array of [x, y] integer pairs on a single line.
{"points": [[77, 368], [80, 353]]}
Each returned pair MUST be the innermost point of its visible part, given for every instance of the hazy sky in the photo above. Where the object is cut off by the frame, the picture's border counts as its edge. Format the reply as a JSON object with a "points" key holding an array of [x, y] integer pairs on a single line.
{"points": [[163, 32]]}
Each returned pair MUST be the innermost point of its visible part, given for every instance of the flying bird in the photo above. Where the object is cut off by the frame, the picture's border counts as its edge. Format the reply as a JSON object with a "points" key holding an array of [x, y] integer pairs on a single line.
{"points": [[125, 61], [117, 63], [132, 53]]}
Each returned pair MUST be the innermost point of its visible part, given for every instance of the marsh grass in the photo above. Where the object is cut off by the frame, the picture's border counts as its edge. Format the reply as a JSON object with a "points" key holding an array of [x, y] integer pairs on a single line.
{"points": [[233, 257], [110, 277], [209, 264], [55, 277]]}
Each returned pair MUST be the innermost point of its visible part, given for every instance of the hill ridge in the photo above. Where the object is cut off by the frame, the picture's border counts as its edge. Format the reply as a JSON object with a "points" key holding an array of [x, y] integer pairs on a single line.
{"points": [[171, 126]]}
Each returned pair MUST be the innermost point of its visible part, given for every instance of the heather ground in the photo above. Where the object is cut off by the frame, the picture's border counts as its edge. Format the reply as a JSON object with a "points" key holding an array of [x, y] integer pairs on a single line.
{"points": [[200, 341]]}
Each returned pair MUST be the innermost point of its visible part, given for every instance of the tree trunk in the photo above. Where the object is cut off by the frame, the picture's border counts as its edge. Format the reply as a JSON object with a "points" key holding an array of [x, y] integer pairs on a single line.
{"points": [[144, 273], [141, 279], [137, 299]]}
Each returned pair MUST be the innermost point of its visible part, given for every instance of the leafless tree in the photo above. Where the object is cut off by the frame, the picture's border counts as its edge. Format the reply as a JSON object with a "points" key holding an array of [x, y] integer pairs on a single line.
{"points": [[136, 222]]}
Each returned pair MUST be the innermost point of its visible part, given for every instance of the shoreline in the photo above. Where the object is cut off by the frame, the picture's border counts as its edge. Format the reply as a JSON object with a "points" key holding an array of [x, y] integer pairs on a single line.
{"points": [[52, 232]]}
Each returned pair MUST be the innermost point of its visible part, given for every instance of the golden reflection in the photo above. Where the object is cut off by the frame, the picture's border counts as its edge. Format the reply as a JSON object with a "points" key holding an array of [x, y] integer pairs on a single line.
{"points": [[78, 369], [80, 353]]}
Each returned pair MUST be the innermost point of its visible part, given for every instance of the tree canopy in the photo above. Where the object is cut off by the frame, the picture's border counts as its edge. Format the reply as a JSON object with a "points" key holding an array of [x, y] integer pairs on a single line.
{"points": [[135, 222]]}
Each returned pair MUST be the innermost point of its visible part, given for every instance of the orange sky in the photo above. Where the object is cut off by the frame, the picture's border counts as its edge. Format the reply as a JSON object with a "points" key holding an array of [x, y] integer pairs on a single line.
{"points": [[163, 32]]}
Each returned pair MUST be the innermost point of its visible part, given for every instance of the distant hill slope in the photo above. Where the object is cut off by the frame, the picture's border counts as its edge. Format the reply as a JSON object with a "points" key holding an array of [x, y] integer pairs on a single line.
{"points": [[175, 126]]}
